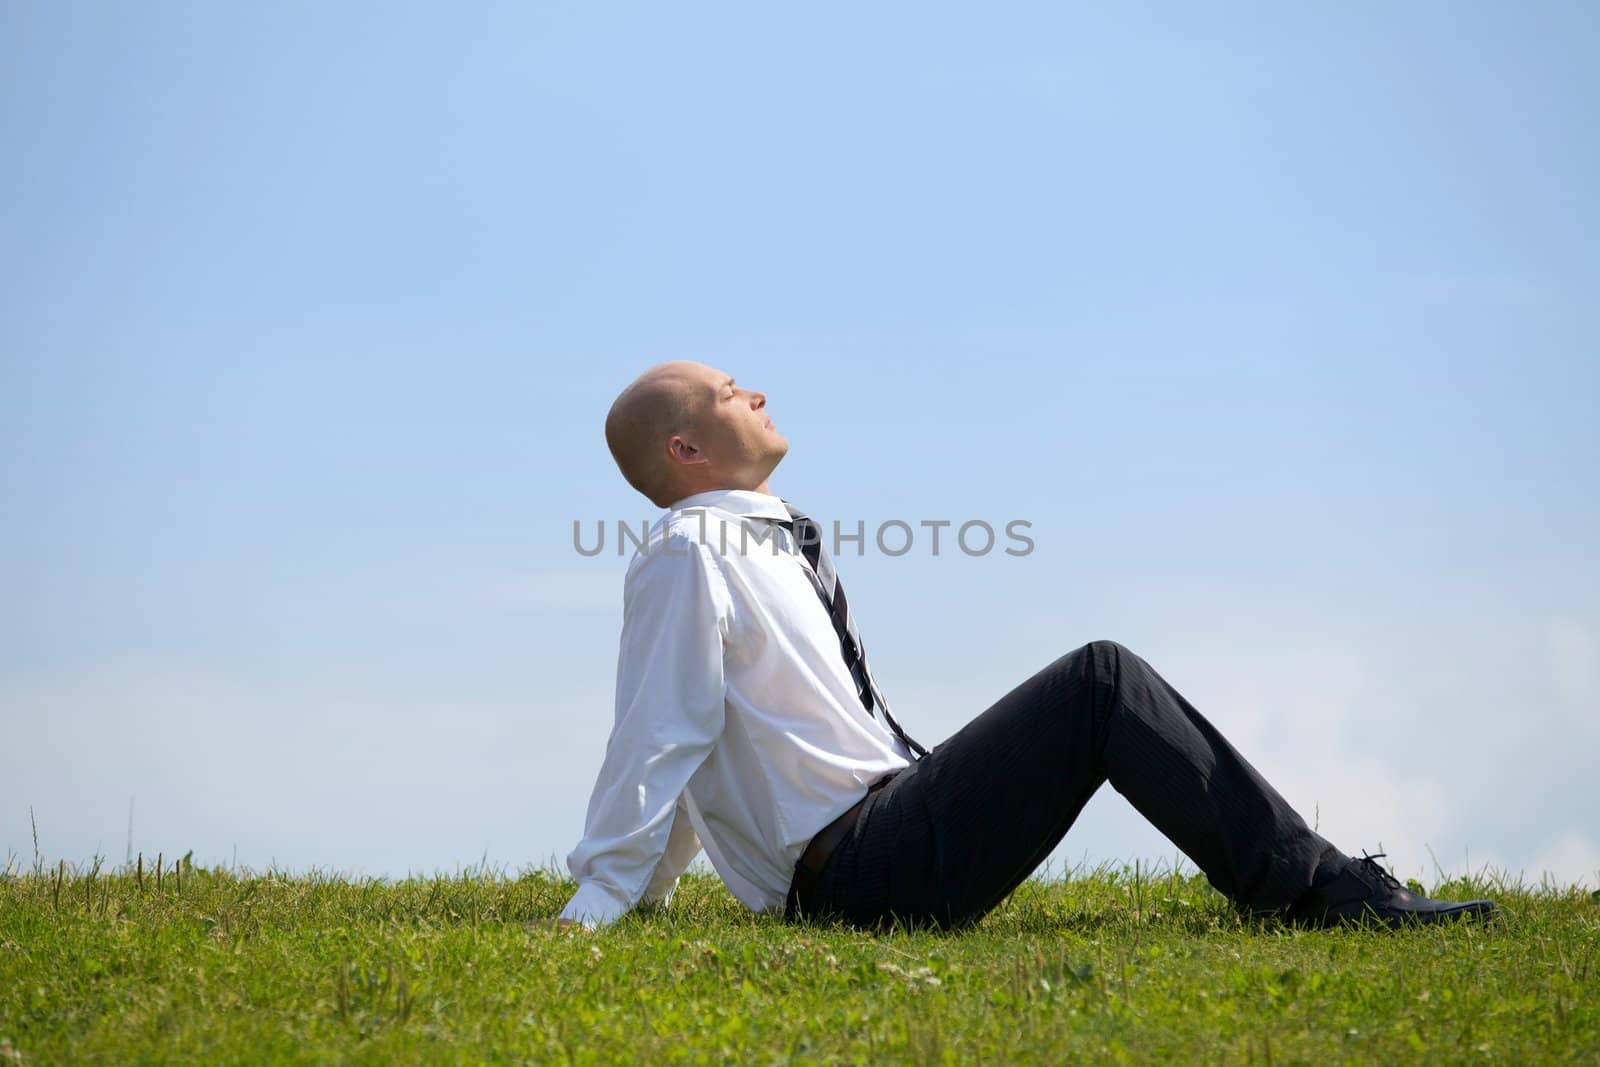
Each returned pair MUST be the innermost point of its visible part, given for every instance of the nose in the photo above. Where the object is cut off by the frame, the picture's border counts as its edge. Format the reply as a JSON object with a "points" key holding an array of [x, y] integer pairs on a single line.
{"points": [[758, 400]]}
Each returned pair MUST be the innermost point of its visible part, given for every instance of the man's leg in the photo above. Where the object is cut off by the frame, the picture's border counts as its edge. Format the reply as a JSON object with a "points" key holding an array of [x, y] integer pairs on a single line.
{"points": [[958, 830]]}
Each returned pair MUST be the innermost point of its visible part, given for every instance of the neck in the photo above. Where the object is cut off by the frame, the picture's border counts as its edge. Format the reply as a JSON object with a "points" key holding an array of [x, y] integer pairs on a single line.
{"points": [[688, 491], [714, 488]]}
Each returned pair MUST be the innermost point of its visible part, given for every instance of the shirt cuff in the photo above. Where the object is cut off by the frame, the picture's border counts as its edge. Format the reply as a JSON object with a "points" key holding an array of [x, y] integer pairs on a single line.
{"points": [[594, 906]]}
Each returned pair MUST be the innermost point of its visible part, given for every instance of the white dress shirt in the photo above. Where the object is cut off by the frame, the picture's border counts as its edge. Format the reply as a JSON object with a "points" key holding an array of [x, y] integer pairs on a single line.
{"points": [[737, 725]]}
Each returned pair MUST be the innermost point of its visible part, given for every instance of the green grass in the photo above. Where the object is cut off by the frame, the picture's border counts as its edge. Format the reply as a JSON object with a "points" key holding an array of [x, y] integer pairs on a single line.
{"points": [[1111, 966]]}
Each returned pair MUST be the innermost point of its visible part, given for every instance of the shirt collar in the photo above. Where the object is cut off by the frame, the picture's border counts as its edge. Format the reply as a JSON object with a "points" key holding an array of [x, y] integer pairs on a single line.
{"points": [[742, 502]]}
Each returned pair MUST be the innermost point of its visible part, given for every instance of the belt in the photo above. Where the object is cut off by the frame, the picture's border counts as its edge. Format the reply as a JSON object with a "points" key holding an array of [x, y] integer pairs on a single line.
{"points": [[822, 847]]}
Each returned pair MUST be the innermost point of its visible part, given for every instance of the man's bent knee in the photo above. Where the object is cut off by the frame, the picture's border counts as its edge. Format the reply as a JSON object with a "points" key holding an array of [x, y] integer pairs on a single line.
{"points": [[1106, 650]]}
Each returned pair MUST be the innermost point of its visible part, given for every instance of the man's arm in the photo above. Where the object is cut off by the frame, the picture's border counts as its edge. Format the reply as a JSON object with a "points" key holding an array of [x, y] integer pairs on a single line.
{"points": [[669, 714]]}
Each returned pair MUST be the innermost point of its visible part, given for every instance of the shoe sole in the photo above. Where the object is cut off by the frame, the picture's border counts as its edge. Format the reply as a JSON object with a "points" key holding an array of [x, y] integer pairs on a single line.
{"points": [[1479, 910]]}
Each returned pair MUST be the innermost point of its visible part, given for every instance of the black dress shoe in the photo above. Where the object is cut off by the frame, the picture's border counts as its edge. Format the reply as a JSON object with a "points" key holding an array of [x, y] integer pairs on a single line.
{"points": [[1365, 893]]}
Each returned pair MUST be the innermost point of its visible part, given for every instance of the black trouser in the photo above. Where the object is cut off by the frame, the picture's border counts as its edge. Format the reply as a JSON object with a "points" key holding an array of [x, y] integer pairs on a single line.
{"points": [[951, 835]]}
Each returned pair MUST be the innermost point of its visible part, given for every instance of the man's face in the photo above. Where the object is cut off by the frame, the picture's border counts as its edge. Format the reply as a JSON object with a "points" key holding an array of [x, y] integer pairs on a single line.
{"points": [[732, 429]]}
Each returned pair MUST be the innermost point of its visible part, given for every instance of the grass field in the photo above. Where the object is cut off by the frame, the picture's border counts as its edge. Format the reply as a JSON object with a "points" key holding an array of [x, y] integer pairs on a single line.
{"points": [[1106, 966]]}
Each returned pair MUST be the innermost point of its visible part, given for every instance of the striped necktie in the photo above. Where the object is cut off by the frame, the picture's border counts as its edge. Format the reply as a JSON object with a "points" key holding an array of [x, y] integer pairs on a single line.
{"points": [[826, 582]]}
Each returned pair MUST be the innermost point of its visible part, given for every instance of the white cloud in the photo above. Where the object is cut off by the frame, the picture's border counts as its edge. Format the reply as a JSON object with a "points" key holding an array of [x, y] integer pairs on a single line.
{"points": [[1308, 718], [1574, 652], [1571, 858], [374, 774]]}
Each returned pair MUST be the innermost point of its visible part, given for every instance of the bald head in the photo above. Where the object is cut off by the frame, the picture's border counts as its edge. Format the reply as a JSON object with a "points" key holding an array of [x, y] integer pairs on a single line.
{"points": [[682, 428], [658, 403]]}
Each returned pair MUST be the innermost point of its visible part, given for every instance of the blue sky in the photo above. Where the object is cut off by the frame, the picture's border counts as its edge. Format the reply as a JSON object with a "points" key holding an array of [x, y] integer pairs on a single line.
{"points": [[1278, 325]]}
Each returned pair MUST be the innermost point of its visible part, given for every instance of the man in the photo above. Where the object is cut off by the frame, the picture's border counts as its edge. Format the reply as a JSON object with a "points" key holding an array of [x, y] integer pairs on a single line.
{"points": [[747, 722]]}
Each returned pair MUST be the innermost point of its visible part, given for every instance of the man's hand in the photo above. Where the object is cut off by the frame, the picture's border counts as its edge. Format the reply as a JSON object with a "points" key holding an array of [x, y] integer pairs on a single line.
{"points": [[557, 925]]}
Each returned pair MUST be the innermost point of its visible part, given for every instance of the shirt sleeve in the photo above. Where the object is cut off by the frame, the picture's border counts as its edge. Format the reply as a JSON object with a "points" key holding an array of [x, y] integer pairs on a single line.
{"points": [[669, 714], [682, 847]]}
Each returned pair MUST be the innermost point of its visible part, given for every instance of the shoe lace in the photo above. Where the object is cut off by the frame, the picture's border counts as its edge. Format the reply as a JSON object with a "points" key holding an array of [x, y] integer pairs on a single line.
{"points": [[1369, 861]]}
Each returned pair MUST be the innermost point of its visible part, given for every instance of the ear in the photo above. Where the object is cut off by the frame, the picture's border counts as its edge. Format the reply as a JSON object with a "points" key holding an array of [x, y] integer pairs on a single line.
{"points": [[681, 451]]}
